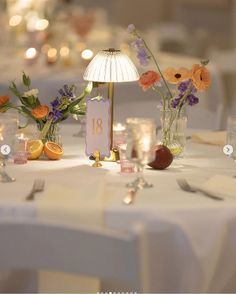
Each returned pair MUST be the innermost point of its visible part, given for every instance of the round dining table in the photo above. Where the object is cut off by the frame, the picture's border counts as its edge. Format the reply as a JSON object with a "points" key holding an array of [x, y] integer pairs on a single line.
{"points": [[191, 238]]}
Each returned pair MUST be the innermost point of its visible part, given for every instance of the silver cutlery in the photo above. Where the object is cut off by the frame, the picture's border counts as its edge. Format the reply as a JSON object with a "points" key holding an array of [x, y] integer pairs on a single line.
{"points": [[130, 196], [38, 186], [185, 186], [5, 178]]}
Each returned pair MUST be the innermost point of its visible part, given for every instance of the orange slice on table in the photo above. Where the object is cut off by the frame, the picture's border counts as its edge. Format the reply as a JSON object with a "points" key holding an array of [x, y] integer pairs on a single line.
{"points": [[35, 149], [53, 150]]}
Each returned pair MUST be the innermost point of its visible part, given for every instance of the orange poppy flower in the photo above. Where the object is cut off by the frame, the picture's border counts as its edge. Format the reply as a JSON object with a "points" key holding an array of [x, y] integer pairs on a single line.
{"points": [[149, 79], [40, 111], [177, 75], [201, 77], [3, 100]]}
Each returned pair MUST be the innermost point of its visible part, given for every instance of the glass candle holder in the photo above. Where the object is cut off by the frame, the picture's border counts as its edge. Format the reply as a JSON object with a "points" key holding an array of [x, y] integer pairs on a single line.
{"points": [[119, 135], [21, 153]]}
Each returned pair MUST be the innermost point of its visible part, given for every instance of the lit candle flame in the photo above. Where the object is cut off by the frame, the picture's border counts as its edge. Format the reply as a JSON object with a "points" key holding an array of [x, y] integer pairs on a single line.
{"points": [[118, 127]]}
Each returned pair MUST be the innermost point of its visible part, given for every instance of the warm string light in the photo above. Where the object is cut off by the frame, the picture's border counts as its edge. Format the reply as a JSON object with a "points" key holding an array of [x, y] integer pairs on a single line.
{"points": [[15, 20], [51, 55], [42, 24], [30, 55], [64, 51]]}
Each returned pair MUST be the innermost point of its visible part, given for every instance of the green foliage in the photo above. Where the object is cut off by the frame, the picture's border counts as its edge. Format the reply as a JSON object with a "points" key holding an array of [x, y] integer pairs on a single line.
{"points": [[26, 80]]}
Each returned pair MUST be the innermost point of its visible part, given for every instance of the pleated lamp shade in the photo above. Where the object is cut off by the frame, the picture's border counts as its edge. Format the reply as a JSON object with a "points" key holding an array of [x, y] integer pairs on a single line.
{"points": [[111, 66]]}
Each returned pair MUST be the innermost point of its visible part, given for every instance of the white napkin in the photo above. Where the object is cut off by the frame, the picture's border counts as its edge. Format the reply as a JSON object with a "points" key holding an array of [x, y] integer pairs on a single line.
{"points": [[212, 138], [220, 185]]}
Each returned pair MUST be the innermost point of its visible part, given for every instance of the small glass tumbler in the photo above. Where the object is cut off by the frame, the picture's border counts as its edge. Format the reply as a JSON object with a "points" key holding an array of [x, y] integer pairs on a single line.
{"points": [[231, 134], [21, 153], [126, 166], [119, 135]]}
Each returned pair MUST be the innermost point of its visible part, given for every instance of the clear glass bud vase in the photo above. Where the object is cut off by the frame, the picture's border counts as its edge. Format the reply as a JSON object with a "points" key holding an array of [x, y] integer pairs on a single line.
{"points": [[173, 125], [52, 134]]}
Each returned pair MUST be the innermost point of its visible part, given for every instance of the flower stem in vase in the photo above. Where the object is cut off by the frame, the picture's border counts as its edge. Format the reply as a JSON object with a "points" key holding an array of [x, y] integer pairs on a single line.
{"points": [[49, 132]]}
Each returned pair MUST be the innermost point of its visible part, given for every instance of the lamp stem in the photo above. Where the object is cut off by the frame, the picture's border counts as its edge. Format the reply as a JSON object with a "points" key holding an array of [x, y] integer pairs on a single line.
{"points": [[111, 97]]}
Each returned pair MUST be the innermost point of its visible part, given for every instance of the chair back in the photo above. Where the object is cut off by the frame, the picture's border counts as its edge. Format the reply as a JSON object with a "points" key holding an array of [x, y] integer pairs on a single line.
{"points": [[105, 254]]}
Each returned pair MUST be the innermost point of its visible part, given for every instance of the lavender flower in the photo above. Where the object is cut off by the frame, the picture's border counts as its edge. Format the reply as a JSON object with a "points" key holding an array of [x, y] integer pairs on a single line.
{"points": [[68, 91], [176, 102], [143, 57], [55, 103], [137, 44], [193, 89], [55, 114], [192, 100], [131, 28], [183, 86], [61, 92]]}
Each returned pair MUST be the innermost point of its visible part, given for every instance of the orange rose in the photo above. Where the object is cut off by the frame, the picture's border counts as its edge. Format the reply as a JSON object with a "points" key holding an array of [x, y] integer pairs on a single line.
{"points": [[201, 77], [40, 111], [149, 79], [177, 75], [3, 100]]}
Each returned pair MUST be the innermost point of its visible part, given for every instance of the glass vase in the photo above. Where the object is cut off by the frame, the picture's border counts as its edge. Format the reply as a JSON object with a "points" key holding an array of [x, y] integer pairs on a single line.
{"points": [[173, 125], [53, 133]]}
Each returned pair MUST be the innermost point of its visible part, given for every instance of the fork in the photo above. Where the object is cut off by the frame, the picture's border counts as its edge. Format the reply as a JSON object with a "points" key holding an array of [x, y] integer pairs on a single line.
{"points": [[185, 186], [38, 186], [130, 196]]}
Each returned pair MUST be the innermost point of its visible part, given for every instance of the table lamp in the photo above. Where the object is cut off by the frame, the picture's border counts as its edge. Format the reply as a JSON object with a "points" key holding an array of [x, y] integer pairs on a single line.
{"points": [[111, 66]]}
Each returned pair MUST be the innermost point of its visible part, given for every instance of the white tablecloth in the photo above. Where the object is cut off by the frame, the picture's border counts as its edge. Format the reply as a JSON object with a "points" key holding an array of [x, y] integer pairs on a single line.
{"points": [[191, 238]]}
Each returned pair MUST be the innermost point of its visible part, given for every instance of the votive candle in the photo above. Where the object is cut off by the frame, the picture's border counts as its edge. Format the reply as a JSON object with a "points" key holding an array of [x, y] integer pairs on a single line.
{"points": [[21, 153]]}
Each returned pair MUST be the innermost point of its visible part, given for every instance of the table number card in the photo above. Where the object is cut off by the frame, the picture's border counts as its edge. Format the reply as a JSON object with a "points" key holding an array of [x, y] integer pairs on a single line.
{"points": [[98, 127]]}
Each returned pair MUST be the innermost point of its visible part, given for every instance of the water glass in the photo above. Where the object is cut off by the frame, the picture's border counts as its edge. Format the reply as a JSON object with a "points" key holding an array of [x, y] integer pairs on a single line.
{"points": [[141, 142], [231, 134]]}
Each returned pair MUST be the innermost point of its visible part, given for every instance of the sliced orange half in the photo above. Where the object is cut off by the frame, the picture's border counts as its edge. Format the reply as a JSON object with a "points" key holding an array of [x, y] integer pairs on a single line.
{"points": [[53, 150], [35, 149]]}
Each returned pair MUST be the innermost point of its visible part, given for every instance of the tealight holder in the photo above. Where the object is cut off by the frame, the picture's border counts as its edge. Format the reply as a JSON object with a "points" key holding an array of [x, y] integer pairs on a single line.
{"points": [[126, 166], [119, 135], [21, 153]]}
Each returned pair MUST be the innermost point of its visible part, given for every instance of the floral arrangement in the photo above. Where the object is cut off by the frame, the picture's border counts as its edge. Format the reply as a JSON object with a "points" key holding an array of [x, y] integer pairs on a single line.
{"points": [[177, 87], [187, 81], [46, 116]]}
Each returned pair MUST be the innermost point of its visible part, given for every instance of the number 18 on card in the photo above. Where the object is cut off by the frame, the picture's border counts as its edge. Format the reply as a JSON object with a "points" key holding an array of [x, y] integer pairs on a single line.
{"points": [[98, 127]]}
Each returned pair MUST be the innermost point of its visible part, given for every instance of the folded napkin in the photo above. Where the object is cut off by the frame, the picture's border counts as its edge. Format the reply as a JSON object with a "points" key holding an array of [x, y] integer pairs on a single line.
{"points": [[220, 185], [212, 138]]}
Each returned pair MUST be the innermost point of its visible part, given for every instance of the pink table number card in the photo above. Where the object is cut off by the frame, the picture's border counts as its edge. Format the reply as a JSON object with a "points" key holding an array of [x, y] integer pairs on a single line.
{"points": [[98, 127]]}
